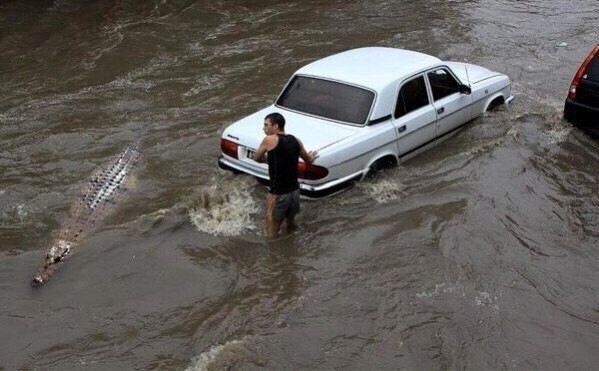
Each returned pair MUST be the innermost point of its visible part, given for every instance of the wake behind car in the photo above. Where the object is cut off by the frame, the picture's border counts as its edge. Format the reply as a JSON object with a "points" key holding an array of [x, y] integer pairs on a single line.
{"points": [[365, 109], [582, 104]]}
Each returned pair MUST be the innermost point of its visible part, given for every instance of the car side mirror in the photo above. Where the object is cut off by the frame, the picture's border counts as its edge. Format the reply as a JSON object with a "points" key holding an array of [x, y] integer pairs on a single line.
{"points": [[464, 89]]}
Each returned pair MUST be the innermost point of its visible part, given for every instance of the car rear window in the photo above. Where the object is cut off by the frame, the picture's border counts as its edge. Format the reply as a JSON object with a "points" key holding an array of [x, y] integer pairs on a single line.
{"points": [[327, 99], [593, 70]]}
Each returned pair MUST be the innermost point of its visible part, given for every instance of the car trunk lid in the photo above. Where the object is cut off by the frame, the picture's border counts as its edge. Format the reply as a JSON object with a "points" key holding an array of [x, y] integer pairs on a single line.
{"points": [[315, 133]]}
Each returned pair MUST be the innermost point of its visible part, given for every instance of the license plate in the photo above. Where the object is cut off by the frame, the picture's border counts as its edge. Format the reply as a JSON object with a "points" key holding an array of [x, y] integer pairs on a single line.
{"points": [[251, 154]]}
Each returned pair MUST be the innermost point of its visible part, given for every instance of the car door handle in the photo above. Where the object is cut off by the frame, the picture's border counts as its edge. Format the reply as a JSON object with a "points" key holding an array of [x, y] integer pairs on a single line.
{"points": [[401, 129], [440, 110]]}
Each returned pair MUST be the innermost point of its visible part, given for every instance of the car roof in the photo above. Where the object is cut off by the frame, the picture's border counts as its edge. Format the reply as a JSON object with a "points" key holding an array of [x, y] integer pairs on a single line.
{"points": [[371, 67]]}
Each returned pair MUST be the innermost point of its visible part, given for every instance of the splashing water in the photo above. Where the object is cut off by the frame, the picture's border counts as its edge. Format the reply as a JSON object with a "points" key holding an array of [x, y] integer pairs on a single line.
{"points": [[385, 190], [557, 135], [218, 356], [224, 211]]}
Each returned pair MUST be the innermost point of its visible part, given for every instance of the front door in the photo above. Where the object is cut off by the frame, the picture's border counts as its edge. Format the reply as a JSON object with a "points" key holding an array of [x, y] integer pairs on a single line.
{"points": [[414, 117], [452, 107]]}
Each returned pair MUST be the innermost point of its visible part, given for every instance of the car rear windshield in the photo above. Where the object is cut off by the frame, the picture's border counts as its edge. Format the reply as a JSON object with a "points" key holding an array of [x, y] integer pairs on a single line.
{"points": [[328, 99], [593, 70]]}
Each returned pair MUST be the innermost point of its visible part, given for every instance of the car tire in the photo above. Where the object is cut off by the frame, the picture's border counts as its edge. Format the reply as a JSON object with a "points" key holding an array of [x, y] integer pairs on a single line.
{"points": [[495, 103], [379, 165]]}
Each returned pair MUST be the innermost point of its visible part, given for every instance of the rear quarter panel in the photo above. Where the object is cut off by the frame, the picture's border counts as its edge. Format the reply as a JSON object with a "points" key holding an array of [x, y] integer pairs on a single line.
{"points": [[357, 153]]}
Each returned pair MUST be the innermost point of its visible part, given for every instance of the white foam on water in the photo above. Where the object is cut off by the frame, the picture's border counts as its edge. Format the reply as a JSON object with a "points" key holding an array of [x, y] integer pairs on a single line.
{"points": [[558, 135], [216, 357], [484, 299], [204, 83], [223, 210], [384, 190], [443, 288], [21, 212]]}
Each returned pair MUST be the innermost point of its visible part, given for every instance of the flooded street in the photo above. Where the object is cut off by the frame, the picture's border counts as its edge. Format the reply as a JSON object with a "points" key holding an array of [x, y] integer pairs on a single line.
{"points": [[481, 253]]}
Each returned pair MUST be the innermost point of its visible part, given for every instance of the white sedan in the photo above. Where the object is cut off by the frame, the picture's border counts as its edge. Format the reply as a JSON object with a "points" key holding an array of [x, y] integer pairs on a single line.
{"points": [[365, 109]]}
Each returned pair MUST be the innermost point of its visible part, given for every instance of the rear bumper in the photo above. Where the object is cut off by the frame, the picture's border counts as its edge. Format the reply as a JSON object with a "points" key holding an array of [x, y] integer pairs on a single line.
{"points": [[582, 116], [310, 191]]}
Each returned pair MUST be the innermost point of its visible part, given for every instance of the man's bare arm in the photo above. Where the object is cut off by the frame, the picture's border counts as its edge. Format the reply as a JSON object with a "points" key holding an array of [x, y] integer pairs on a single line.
{"points": [[266, 145], [308, 157]]}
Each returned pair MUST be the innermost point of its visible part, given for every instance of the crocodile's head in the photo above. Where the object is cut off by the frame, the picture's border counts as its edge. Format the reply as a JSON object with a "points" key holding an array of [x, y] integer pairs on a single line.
{"points": [[57, 253], [41, 277], [37, 281]]}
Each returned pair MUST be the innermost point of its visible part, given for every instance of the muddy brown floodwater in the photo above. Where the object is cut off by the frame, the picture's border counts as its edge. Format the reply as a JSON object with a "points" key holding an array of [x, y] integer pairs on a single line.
{"points": [[481, 253]]}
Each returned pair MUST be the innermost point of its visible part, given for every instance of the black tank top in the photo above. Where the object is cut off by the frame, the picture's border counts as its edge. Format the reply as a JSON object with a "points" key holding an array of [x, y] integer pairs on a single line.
{"points": [[282, 165]]}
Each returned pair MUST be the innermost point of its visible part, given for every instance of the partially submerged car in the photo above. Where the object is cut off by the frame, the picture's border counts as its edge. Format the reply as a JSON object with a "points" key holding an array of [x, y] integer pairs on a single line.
{"points": [[582, 104], [365, 109]]}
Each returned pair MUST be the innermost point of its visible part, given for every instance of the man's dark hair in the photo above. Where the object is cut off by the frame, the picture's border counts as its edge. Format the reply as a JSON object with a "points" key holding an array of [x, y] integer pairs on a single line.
{"points": [[276, 119]]}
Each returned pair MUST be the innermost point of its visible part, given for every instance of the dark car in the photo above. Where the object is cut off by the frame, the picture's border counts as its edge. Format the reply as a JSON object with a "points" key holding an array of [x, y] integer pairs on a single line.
{"points": [[582, 104]]}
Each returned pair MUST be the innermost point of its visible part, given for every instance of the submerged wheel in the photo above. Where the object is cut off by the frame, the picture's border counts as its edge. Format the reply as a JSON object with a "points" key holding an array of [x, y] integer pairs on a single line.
{"points": [[495, 103], [379, 165]]}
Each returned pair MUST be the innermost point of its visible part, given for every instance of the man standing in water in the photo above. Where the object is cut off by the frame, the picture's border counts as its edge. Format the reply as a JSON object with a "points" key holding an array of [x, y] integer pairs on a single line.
{"points": [[284, 150]]}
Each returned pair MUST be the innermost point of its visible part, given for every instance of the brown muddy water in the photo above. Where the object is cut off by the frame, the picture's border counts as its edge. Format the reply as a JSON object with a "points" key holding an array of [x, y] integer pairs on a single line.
{"points": [[481, 253]]}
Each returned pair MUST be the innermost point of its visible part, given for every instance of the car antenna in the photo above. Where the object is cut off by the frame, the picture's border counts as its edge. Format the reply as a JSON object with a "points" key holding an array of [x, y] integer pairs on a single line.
{"points": [[467, 77]]}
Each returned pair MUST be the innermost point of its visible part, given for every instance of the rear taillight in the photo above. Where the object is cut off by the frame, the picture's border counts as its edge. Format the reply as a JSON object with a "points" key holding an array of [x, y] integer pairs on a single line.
{"points": [[311, 172], [580, 73], [229, 148]]}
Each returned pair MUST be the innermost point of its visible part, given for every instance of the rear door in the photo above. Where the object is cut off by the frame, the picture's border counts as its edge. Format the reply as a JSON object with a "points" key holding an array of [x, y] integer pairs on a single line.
{"points": [[414, 116], [452, 107], [588, 90]]}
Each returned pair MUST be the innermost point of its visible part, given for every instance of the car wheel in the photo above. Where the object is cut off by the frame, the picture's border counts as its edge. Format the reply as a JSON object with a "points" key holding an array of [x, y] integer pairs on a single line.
{"points": [[495, 104], [379, 165]]}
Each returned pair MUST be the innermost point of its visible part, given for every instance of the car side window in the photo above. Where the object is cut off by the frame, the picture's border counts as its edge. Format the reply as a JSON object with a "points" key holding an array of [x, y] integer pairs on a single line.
{"points": [[412, 96], [442, 83]]}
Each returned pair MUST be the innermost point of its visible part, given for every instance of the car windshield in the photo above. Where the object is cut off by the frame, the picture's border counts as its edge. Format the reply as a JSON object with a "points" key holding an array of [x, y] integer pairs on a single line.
{"points": [[328, 99]]}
